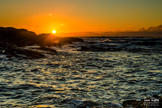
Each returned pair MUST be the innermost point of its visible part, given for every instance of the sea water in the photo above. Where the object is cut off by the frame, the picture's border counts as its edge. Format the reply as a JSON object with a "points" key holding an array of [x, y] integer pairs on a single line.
{"points": [[72, 77]]}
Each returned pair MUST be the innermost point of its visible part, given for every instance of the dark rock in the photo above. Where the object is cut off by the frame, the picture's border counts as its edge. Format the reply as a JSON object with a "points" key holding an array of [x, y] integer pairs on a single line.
{"points": [[84, 48], [48, 49], [12, 41], [95, 48], [34, 70], [19, 37], [131, 103], [74, 39], [91, 48], [23, 37], [69, 40], [147, 43], [12, 50], [91, 42], [45, 39], [64, 41], [143, 103], [89, 104], [28, 53]]}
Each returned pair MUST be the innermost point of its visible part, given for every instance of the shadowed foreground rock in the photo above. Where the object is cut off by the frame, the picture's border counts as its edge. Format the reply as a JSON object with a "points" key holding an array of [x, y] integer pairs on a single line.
{"points": [[23, 37], [144, 104], [126, 104], [19, 37], [51, 51], [12, 40], [12, 50]]}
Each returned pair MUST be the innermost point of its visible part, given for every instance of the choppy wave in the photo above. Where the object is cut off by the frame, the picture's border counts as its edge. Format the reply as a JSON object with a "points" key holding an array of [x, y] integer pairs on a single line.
{"points": [[77, 78]]}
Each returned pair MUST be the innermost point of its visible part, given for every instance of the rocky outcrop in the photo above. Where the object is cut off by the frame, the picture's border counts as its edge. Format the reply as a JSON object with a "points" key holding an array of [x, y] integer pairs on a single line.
{"points": [[146, 43], [95, 48], [19, 37], [143, 103], [74, 39], [53, 51], [13, 40], [23, 37], [12, 50], [45, 40], [69, 40]]}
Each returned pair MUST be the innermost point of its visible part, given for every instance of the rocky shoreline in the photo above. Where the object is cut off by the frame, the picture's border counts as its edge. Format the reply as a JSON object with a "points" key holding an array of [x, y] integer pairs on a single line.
{"points": [[135, 45], [13, 41], [150, 102]]}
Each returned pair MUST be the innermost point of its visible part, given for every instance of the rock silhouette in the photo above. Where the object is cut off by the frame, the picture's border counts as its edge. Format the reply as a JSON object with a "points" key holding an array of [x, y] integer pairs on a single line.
{"points": [[23, 37], [12, 50], [12, 40]]}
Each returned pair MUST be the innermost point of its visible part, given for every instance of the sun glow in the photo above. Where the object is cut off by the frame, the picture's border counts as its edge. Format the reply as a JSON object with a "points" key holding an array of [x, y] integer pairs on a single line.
{"points": [[54, 31]]}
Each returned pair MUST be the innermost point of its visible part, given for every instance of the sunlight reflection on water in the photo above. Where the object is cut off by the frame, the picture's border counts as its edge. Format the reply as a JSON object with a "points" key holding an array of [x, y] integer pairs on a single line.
{"points": [[98, 76]]}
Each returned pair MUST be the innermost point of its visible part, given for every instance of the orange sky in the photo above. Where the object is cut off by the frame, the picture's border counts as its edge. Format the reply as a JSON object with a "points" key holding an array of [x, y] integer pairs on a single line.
{"points": [[64, 16]]}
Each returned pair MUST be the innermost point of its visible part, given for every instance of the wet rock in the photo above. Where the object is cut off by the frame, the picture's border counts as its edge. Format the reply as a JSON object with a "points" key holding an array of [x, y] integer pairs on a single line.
{"points": [[88, 104], [95, 48], [34, 70], [24, 53], [143, 103], [145, 43], [84, 48], [64, 41], [45, 40], [91, 42], [48, 49], [74, 39], [69, 40], [80, 104], [131, 104], [6, 45], [12, 50]]}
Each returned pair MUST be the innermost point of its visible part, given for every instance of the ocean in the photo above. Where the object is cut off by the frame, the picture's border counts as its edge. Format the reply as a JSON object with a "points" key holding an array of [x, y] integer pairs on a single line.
{"points": [[98, 72]]}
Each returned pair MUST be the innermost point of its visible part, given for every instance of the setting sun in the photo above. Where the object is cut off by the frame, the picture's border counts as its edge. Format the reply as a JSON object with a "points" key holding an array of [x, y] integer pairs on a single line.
{"points": [[54, 31]]}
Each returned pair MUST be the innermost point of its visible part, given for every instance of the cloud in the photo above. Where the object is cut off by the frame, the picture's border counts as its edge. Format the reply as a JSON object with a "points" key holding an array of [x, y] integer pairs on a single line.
{"points": [[152, 29]]}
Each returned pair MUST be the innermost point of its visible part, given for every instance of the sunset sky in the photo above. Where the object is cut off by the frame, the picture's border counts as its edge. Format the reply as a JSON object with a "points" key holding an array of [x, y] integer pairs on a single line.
{"points": [[44, 16]]}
